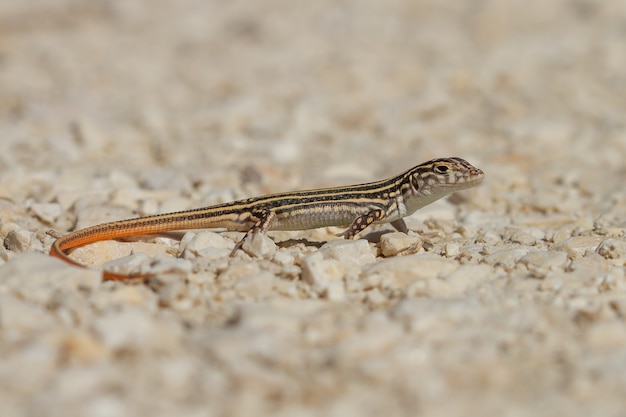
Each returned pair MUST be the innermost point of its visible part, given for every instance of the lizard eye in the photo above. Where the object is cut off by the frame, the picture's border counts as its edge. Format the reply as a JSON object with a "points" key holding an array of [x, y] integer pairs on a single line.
{"points": [[441, 169]]}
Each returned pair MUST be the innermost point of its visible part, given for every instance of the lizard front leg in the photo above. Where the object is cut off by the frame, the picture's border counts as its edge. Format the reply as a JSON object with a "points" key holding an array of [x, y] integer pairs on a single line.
{"points": [[400, 226], [265, 220]]}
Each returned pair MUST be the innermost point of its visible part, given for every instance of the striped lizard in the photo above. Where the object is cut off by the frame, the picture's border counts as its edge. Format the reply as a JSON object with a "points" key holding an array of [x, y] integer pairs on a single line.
{"points": [[359, 206]]}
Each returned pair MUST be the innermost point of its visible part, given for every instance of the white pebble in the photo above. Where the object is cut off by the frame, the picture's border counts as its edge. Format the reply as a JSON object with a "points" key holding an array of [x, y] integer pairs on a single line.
{"points": [[374, 296], [5, 255], [46, 276], [507, 258], [353, 254], [468, 277], [392, 244], [236, 272], [137, 263], [522, 237], [612, 248], [336, 291], [491, 238], [592, 264], [206, 244], [148, 207], [399, 272], [19, 240], [46, 212], [451, 249], [259, 245], [579, 245], [318, 271], [284, 258], [6, 227], [255, 286], [541, 261], [129, 328], [21, 315]]}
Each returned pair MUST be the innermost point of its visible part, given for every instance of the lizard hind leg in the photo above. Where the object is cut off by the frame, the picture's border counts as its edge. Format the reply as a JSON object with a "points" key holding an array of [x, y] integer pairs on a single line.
{"points": [[362, 222], [264, 222]]}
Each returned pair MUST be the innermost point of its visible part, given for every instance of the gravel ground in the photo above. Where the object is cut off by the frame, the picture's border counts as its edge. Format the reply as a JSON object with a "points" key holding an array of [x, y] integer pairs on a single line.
{"points": [[506, 300]]}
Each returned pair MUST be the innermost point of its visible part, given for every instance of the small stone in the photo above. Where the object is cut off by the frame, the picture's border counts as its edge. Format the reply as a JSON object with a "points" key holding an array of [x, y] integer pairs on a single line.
{"points": [[554, 281], [378, 336], [398, 273], [541, 261], [126, 329], [468, 277], [7, 227], [612, 248], [119, 179], [19, 240], [39, 277], [592, 264], [238, 272], [5, 255], [127, 197], [467, 231], [284, 258], [352, 254], [506, 258], [112, 252], [491, 238], [80, 347], [610, 227], [213, 254], [18, 314], [522, 237], [579, 245], [170, 266], [259, 245], [336, 260], [173, 294], [561, 234], [255, 286], [9, 211], [471, 253], [336, 291], [46, 212], [558, 234], [137, 263], [206, 244], [391, 244], [131, 295], [318, 271], [374, 296], [451, 250], [431, 287], [148, 207]]}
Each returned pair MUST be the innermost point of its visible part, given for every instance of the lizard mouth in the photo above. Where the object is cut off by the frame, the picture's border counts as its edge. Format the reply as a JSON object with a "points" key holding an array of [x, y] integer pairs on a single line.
{"points": [[471, 179]]}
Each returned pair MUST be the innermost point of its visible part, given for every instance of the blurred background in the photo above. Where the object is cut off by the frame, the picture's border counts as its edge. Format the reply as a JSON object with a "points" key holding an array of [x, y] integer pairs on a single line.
{"points": [[320, 92]]}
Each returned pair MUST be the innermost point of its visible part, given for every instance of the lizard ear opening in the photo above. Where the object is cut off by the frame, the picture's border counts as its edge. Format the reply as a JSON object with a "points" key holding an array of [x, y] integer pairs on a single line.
{"points": [[415, 182]]}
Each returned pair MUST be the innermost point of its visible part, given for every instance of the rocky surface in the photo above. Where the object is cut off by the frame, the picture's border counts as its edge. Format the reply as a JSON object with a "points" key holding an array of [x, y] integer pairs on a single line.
{"points": [[508, 299]]}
